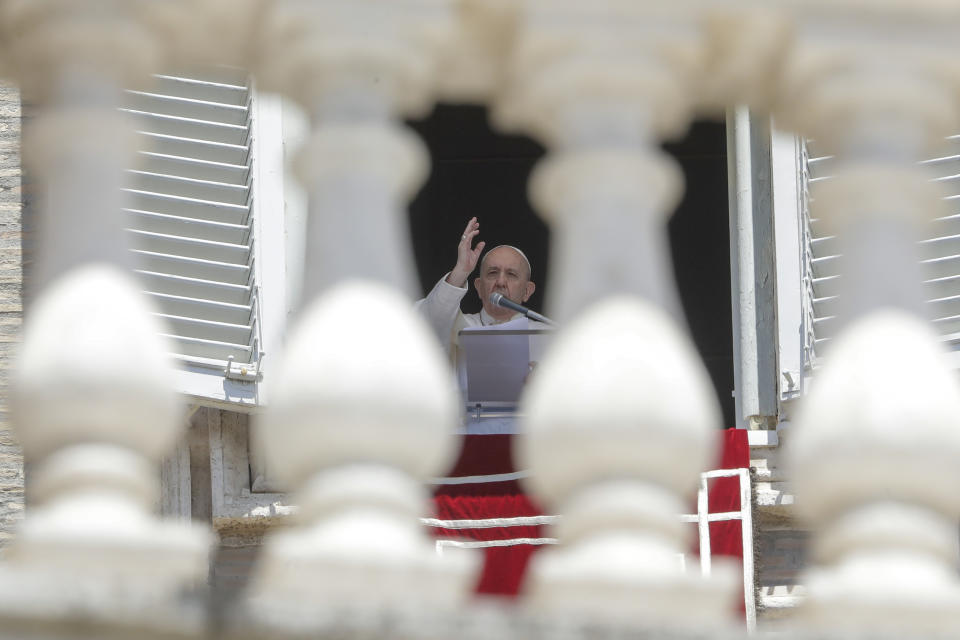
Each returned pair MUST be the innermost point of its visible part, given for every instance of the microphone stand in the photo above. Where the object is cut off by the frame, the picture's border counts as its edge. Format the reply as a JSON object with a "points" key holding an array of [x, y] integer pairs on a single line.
{"points": [[499, 300]]}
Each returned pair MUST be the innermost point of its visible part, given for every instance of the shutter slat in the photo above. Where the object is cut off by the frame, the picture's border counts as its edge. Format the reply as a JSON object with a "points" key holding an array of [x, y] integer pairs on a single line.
{"points": [[196, 168], [947, 325], [190, 108], [941, 267], [942, 287], [189, 227], [944, 166], [824, 327], [209, 150], [212, 349], [195, 268], [199, 309], [237, 193], [825, 246], [186, 207], [826, 266], [826, 287], [190, 128], [818, 167], [824, 307], [945, 307], [207, 329], [214, 290], [206, 89], [817, 229], [940, 247], [945, 226], [950, 182], [190, 247]]}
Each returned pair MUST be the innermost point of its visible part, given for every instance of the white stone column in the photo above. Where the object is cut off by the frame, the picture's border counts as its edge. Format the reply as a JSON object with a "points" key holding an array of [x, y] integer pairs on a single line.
{"points": [[620, 416], [365, 408], [92, 399], [874, 454]]}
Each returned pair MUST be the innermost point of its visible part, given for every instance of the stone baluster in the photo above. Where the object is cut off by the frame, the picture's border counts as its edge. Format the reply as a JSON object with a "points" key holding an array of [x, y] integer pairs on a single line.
{"points": [[472, 70], [355, 67], [620, 416], [92, 400], [5, 70], [602, 95], [364, 408], [874, 454]]}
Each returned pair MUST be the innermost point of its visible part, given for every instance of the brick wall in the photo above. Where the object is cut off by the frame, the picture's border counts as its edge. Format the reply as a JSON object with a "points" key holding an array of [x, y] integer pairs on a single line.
{"points": [[11, 459]]}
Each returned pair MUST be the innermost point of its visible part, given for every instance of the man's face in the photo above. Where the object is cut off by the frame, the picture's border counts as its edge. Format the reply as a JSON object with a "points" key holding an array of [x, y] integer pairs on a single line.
{"points": [[503, 271]]}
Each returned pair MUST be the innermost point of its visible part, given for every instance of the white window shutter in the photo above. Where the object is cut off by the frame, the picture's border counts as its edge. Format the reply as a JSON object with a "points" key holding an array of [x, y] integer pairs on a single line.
{"points": [[818, 284], [191, 219], [940, 254]]}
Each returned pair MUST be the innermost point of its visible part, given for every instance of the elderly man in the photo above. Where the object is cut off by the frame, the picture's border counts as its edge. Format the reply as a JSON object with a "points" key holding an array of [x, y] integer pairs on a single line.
{"points": [[504, 269]]}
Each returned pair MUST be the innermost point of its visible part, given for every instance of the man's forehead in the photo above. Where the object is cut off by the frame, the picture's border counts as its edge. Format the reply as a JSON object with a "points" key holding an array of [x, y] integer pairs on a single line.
{"points": [[505, 255]]}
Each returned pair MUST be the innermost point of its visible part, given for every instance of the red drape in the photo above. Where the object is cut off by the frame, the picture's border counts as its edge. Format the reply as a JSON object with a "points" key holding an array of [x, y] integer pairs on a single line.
{"points": [[488, 501]]}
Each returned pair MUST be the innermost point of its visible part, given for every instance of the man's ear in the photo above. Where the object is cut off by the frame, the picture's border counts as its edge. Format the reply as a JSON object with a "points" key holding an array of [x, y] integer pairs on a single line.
{"points": [[529, 292], [476, 285]]}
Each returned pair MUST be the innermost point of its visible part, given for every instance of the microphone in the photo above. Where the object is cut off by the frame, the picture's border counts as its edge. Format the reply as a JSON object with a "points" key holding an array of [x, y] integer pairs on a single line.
{"points": [[507, 303]]}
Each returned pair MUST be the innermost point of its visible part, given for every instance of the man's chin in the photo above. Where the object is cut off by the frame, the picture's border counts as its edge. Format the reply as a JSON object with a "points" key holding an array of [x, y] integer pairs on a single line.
{"points": [[499, 316]]}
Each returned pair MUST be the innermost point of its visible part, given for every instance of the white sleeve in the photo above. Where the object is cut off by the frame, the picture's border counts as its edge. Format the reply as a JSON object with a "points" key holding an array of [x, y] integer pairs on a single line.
{"points": [[440, 309]]}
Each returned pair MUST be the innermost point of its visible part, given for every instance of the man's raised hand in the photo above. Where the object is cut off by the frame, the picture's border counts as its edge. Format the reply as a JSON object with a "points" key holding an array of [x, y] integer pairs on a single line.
{"points": [[467, 255]]}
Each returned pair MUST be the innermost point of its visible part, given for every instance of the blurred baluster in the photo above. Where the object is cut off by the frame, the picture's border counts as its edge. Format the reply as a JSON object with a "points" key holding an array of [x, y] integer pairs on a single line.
{"points": [[601, 85], [355, 67], [365, 409], [6, 67], [219, 32], [362, 418], [621, 414], [92, 400], [874, 456], [474, 66]]}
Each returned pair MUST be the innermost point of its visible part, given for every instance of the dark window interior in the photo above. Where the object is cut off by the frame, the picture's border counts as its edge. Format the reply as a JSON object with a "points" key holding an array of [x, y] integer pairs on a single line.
{"points": [[477, 172]]}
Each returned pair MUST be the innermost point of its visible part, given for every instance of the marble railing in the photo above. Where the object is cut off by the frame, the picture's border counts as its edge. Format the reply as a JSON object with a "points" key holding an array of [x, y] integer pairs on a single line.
{"points": [[620, 413]]}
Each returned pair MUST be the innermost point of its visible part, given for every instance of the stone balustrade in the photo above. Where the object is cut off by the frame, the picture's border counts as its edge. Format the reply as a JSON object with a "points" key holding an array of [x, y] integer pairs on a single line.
{"points": [[619, 414]]}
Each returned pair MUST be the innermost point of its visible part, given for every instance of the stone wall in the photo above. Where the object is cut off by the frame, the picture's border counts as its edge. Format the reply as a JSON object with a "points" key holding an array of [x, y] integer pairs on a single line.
{"points": [[11, 458], [219, 470], [781, 540], [782, 552]]}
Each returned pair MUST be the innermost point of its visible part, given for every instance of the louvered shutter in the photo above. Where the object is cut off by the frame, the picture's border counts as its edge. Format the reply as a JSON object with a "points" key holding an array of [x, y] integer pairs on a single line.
{"points": [[190, 216], [940, 255]]}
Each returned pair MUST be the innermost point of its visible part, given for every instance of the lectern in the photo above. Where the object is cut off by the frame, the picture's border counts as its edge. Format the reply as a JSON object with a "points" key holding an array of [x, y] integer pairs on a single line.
{"points": [[494, 366]]}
